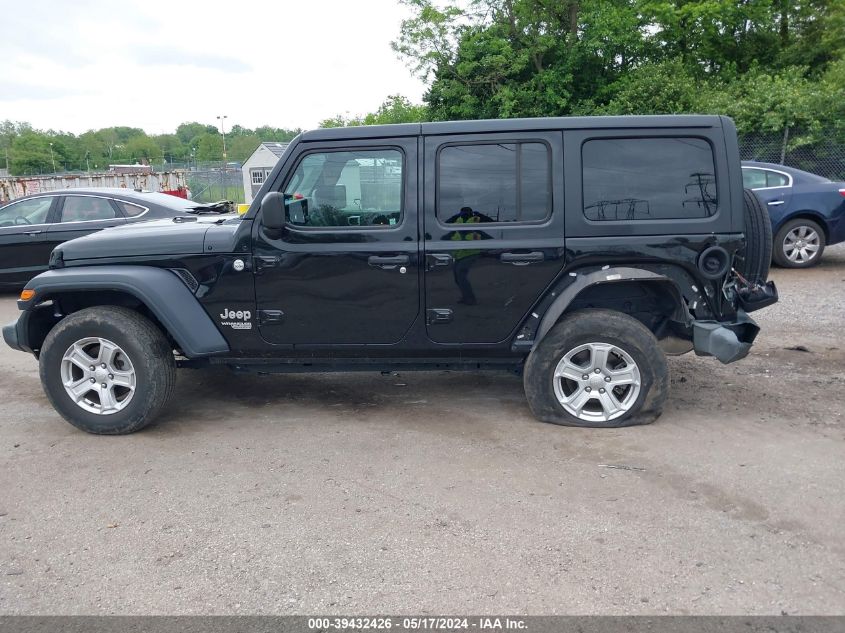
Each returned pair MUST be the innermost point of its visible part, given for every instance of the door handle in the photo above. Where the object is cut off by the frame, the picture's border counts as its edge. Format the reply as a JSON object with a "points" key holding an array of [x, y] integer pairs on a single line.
{"points": [[522, 259], [33, 232], [439, 259], [387, 262], [774, 203]]}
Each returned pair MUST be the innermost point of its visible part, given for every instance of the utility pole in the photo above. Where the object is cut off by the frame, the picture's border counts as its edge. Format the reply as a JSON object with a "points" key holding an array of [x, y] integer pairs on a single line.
{"points": [[222, 120], [88, 161], [52, 158]]}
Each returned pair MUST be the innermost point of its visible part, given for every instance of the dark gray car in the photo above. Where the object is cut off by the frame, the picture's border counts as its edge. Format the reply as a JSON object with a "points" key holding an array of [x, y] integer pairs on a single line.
{"points": [[32, 226]]}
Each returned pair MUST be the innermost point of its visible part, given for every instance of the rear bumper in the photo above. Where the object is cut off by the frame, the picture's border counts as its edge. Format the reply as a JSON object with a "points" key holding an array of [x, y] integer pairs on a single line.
{"points": [[727, 341]]}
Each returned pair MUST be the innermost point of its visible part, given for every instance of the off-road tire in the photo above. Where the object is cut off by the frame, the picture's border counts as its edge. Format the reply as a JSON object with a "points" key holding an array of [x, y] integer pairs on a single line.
{"points": [[754, 260], [780, 257], [597, 326], [145, 345]]}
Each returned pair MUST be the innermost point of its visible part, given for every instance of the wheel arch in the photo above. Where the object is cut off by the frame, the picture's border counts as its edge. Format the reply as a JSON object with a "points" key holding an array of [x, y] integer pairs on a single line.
{"points": [[617, 284], [808, 214], [155, 292]]}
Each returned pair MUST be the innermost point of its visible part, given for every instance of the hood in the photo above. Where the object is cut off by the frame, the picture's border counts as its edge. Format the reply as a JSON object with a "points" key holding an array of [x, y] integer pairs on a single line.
{"points": [[177, 236]]}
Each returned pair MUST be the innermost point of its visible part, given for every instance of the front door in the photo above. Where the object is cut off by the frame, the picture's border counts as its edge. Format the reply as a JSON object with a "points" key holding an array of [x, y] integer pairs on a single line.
{"points": [[23, 248], [493, 231], [345, 268]]}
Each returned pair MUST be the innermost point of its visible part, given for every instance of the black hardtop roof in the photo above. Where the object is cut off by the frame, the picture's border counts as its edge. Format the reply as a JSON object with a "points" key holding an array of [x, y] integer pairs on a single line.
{"points": [[515, 125]]}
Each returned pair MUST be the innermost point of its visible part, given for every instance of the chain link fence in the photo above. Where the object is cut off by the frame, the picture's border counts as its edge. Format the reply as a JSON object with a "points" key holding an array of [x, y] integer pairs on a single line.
{"points": [[821, 154], [210, 182]]}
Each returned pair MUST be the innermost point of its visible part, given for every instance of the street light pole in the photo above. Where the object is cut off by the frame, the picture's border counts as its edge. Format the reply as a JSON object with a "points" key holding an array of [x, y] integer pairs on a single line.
{"points": [[223, 130], [52, 158]]}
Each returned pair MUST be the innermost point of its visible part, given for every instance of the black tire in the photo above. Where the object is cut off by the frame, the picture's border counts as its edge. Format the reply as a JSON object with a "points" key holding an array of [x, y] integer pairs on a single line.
{"points": [[780, 256], [597, 326], [143, 343], [754, 260]]}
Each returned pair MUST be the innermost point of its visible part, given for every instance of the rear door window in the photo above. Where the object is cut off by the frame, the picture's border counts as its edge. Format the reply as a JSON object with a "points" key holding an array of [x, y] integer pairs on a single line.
{"points": [[87, 208], [130, 210], [646, 179], [753, 178], [775, 179], [494, 182]]}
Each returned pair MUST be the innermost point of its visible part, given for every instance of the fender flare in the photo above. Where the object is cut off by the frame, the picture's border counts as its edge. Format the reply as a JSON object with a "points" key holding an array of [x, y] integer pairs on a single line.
{"points": [[164, 294], [582, 281]]}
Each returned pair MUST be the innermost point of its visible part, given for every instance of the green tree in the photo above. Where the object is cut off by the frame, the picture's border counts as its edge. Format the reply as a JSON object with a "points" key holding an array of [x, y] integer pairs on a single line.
{"points": [[394, 109], [242, 146], [508, 58], [170, 147], [660, 88], [187, 132], [30, 154], [209, 147], [278, 134], [142, 149], [397, 109]]}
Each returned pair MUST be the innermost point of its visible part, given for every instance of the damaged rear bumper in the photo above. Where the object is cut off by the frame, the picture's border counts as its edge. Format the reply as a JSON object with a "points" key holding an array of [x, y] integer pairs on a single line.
{"points": [[727, 341]]}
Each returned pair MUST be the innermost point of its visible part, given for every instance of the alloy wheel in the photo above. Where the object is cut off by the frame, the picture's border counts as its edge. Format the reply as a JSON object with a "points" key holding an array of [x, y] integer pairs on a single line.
{"points": [[801, 244], [597, 382], [98, 375]]}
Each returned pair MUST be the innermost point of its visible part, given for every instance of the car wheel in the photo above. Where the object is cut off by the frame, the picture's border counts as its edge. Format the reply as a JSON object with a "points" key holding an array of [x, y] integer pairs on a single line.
{"points": [[799, 244], [597, 368], [107, 370]]}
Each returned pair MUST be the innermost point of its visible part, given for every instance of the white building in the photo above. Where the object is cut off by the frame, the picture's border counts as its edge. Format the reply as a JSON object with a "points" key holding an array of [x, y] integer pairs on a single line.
{"points": [[258, 166]]}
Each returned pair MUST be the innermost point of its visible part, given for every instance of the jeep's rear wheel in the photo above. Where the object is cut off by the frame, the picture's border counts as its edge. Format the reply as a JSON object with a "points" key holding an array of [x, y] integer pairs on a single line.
{"points": [[597, 368], [107, 370]]}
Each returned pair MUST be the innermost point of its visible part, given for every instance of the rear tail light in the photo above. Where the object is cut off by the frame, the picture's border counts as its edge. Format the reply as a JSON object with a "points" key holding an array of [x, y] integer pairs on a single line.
{"points": [[842, 192]]}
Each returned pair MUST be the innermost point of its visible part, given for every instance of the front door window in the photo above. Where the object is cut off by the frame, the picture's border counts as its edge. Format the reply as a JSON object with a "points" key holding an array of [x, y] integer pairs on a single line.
{"points": [[360, 188]]}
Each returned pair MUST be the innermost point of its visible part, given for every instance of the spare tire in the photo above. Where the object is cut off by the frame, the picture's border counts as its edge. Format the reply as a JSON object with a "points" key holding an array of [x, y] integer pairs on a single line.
{"points": [[754, 259]]}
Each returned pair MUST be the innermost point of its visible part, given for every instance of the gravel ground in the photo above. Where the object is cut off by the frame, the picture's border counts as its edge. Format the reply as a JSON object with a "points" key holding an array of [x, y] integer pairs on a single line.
{"points": [[439, 493]]}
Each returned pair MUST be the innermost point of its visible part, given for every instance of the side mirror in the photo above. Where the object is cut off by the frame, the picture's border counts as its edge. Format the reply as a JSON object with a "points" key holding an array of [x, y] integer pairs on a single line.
{"points": [[273, 210]]}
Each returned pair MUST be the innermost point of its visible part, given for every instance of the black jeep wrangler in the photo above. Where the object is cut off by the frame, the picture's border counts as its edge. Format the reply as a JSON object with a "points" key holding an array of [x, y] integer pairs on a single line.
{"points": [[576, 250]]}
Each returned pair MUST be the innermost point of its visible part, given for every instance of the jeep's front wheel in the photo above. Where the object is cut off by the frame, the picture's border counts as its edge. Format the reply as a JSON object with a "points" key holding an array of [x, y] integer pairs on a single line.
{"points": [[597, 368], [107, 370]]}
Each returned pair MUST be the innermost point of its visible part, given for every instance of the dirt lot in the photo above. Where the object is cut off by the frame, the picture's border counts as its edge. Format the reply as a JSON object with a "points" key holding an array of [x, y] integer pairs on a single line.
{"points": [[362, 493]]}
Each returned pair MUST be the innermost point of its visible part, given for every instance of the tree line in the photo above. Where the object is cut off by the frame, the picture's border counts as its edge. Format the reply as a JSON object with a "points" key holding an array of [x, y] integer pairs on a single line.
{"points": [[26, 150], [772, 65]]}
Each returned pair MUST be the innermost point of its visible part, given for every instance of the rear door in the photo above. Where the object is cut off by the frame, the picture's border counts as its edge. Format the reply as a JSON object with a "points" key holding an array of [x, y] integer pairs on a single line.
{"points": [[774, 188], [493, 231], [23, 249], [79, 215]]}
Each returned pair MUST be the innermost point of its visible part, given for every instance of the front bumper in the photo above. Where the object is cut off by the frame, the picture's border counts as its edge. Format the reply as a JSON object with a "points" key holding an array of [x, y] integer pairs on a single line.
{"points": [[15, 333], [727, 341]]}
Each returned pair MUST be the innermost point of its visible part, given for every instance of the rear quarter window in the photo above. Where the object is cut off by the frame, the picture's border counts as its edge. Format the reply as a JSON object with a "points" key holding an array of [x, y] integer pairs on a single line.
{"points": [[643, 179]]}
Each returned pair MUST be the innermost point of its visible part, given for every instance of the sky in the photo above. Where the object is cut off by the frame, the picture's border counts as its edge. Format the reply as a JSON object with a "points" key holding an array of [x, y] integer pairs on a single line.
{"points": [[88, 64]]}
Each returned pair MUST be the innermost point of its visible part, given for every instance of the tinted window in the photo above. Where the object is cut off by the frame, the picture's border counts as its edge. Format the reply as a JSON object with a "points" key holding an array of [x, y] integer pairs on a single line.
{"points": [[339, 189], [753, 178], [86, 208], [774, 179], [25, 212], [130, 210], [648, 179], [504, 182]]}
